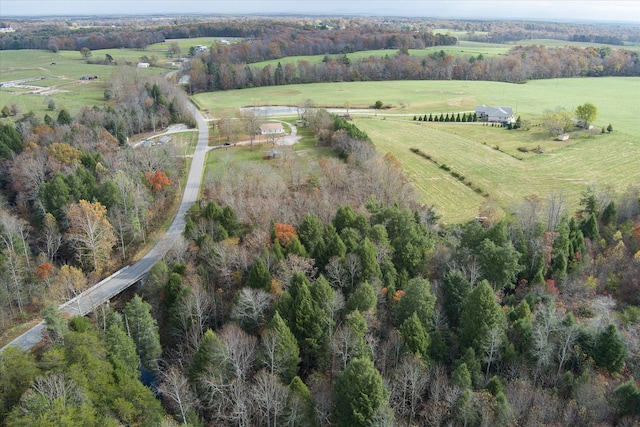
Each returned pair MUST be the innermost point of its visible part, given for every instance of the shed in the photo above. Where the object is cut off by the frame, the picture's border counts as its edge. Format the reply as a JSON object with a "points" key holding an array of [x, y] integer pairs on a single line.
{"points": [[563, 137], [143, 65]]}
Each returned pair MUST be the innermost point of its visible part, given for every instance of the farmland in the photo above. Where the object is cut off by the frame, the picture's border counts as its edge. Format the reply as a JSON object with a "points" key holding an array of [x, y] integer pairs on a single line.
{"points": [[604, 160], [567, 167]]}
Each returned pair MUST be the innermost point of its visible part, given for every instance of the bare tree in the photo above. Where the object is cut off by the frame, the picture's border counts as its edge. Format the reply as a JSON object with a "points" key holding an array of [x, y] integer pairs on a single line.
{"points": [[240, 349], [336, 273], [194, 311], [252, 124], [407, 386], [270, 397], [555, 210], [493, 341], [252, 307], [175, 387]]}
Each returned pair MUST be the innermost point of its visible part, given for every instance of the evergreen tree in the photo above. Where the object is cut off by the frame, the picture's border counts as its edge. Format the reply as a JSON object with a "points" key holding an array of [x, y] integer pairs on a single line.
{"points": [[424, 118], [211, 356], [626, 399], [259, 276], [359, 394], [17, 371], [473, 365], [144, 331], [610, 349], [447, 119], [499, 264], [334, 246], [369, 267], [480, 315], [363, 298], [418, 300], [430, 117], [64, 118], [295, 247], [301, 410], [610, 214], [461, 376], [455, 289], [458, 118], [311, 235], [283, 356], [416, 339], [307, 318], [121, 347], [441, 118], [589, 228], [415, 118]]}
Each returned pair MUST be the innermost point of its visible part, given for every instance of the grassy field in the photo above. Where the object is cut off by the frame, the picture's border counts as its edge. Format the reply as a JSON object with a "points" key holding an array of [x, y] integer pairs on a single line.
{"points": [[605, 160], [58, 77], [615, 98], [462, 48], [568, 167]]}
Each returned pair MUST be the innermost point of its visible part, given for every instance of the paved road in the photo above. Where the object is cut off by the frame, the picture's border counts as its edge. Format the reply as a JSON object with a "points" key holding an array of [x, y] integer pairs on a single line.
{"points": [[119, 281]]}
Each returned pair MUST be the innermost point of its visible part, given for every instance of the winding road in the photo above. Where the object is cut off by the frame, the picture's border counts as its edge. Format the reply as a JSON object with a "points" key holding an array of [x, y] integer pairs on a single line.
{"points": [[119, 281]]}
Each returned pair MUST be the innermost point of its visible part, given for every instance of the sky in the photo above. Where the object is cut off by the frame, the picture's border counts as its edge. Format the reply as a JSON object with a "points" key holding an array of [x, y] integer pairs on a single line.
{"points": [[565, 10]]}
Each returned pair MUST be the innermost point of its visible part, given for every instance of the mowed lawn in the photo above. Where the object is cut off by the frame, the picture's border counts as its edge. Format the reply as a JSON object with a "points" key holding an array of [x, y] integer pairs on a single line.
{"points": [[604, 160]]}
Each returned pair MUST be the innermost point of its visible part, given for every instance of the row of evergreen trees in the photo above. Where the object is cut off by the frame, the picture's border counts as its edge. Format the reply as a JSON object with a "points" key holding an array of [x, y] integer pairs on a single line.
{"points": [[466, 117]]}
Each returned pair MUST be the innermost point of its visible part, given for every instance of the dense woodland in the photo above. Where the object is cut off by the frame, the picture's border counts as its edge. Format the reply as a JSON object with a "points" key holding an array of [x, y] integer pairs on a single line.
{"points": [[215, 72], [304, 293], [324, 294]]}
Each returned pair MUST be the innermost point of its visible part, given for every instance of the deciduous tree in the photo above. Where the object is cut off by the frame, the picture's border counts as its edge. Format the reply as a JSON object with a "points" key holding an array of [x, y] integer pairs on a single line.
{"points": [[90, 233]]}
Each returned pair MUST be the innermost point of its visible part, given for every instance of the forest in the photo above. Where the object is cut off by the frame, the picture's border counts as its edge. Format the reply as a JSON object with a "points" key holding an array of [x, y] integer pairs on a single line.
{"points": [[325, 295], [308, 293], [216, 70]]}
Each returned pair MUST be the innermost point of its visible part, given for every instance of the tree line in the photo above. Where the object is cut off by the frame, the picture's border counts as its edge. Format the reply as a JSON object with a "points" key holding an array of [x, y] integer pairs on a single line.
{"points": [[522, 63]]}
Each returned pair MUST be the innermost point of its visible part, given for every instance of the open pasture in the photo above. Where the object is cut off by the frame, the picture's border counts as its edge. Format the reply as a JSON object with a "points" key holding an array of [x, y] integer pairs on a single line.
{"points": [[604, 160], [463, 48], [55, 76], [568, 167], [615, 97]]}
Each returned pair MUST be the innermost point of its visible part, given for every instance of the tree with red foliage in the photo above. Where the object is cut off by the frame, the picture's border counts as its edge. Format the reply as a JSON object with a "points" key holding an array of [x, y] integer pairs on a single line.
{"points": [[157, 180], [284, 233]]}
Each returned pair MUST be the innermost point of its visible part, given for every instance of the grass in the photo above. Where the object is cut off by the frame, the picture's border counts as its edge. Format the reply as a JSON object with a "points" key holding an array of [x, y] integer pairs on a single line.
{"points": [[462, 48], [605, 160], [567, 167], [59, 79], [615, 97]]}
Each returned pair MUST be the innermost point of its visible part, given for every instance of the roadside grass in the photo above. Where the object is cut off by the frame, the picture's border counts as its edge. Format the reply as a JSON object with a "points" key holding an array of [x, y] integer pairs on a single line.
{"points": [[604, 160]]}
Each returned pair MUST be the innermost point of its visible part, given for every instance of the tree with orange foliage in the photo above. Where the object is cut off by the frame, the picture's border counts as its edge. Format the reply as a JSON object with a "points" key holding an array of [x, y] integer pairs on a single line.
{"points": [[284, 233], [45, 271], [90, 233], [157, 180]]}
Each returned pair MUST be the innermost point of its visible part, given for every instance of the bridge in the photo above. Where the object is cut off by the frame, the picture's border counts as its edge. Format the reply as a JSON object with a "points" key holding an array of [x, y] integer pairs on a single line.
{"points": [[111, 286]]}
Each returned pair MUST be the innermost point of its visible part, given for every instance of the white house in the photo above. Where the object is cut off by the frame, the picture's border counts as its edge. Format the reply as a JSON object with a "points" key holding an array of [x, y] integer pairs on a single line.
{"points": [[271, 128], [495, 114]]}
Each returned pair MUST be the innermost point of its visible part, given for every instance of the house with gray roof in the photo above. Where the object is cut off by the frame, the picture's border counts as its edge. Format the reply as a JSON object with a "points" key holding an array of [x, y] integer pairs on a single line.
{"points": [[495, 114]]}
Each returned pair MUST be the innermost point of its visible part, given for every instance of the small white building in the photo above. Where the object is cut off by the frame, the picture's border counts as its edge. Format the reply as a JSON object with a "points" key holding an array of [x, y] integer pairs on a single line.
{"points": [[563, 137], [495, 114], [143, 65], [271, 129]]}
